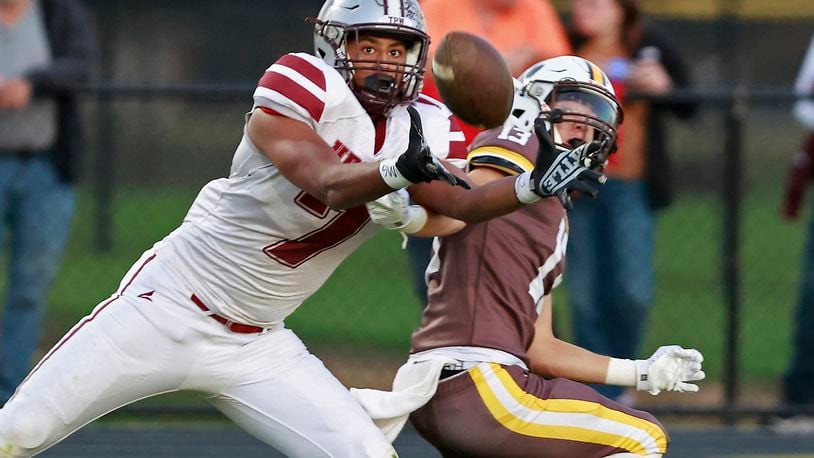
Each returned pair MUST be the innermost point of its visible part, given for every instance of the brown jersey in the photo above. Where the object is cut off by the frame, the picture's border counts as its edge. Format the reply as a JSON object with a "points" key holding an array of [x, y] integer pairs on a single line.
{"points": [[487, 281]]}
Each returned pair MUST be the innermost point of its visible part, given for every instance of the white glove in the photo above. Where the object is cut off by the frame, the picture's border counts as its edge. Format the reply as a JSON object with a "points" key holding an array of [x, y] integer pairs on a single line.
{"points": [[669, 369], [393, 211]]}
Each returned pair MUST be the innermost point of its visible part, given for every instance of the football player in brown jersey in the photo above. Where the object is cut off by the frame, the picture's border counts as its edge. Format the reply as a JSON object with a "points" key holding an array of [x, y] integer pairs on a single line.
{"points": [[486, 375]]}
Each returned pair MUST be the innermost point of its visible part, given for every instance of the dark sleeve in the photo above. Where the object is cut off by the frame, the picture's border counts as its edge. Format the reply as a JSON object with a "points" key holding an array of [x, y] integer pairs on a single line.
{"points": [[73, 46], [676, 67]]}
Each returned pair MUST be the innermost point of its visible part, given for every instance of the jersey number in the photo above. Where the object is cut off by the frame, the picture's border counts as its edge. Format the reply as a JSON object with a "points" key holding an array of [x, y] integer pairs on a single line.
{"points": [[344, 225], [515, 134]]}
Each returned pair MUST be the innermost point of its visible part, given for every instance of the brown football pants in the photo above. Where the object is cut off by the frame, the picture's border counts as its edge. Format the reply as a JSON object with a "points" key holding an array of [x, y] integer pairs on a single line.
{"points": [[505, 411]]}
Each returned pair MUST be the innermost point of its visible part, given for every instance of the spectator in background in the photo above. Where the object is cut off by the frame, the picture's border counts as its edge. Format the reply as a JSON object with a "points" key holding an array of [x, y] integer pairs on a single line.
{"points": [[610, 271], [45, 47], [798, 382], [524, 31]]}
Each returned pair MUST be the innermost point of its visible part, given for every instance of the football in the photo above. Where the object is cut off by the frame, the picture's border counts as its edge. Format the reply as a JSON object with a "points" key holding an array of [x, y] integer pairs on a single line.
{"points": [[473, 79]]}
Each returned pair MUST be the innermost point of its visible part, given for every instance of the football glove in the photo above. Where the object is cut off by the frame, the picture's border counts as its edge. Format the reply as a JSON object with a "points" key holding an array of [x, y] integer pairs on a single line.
{"points": [[417, 164], [557, 171], [669, 369], [393, 211]]}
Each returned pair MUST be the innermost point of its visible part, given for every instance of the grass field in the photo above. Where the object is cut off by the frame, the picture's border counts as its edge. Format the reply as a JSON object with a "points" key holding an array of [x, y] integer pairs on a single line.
{"points": [[369, 304]]}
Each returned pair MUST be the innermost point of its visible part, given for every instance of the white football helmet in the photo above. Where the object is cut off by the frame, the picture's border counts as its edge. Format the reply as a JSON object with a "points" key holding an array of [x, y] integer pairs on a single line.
{"points": [[403, 19], [569, 78]]}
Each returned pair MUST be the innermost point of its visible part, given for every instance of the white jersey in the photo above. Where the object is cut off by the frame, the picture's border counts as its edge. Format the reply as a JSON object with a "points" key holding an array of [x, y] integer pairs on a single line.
{"points": [[253, 246]]}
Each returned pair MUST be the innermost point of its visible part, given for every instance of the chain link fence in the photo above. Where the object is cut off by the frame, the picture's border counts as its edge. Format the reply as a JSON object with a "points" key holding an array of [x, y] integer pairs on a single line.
{"points": [[727, 267], [153, 148]]}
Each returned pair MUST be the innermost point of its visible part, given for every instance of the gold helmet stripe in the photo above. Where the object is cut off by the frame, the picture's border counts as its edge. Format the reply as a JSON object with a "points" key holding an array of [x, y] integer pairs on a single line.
{"points": [[596, 74]]}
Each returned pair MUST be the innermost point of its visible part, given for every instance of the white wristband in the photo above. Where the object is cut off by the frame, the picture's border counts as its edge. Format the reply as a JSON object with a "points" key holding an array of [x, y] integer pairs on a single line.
{"points": [[391, 175], [643, 375], [416, 219], [523, 190], [621, 372]]}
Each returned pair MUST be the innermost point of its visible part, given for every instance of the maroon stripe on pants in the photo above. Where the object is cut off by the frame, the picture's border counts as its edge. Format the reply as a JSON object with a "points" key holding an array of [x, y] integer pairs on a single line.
{"points": [[143, 265], [85, 321]]}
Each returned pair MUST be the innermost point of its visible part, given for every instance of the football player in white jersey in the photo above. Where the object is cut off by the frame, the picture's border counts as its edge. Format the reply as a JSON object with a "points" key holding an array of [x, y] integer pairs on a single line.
{"points": [[203, 309]]}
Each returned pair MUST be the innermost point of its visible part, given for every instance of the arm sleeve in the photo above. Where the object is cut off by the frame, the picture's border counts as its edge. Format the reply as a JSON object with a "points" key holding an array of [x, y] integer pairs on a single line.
{"points": [[295, 87], [804, 108]]}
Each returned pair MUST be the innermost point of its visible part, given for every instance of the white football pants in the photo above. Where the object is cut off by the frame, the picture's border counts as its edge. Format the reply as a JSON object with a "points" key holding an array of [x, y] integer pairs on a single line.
{"points": [[138, 344]]}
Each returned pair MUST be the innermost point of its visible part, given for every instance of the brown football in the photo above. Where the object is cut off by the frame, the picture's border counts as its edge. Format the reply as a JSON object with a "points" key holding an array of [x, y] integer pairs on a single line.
{"points": [[473, 79]]}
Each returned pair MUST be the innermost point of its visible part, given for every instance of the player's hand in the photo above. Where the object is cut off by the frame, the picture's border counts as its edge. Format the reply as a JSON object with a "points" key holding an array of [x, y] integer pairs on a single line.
{"points": [[393, 211], [557, 171], [669, 369], [418, 164]]}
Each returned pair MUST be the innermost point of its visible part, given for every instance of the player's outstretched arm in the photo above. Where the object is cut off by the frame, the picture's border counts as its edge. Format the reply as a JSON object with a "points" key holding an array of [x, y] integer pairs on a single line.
{"points": [[489, 197], [552, 357], [308, 162], [556, 172], [670, 368], [395, 212]]}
